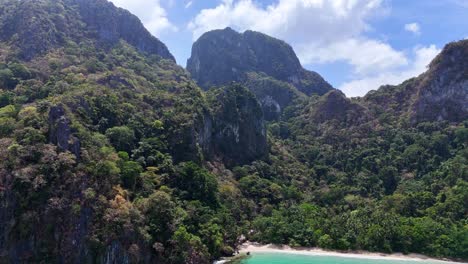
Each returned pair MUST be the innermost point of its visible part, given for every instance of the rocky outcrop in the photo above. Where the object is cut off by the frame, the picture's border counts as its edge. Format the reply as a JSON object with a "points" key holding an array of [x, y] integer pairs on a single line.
{"points": [[442, 93], [220, 57], [37, 26], [60, 132], [112, 24], [274, 96], [237, 130], [28, 25]]}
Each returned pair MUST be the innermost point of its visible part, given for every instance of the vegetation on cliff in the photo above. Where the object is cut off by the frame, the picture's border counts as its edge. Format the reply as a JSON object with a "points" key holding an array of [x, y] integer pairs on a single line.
{"points": [[110, 153]]}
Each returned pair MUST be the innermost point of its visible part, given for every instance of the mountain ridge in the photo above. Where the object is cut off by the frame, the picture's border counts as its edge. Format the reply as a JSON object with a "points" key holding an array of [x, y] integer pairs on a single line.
{"points": [[440, 93], [39, 33], [269, 67], [113, 154], [254, 52]]}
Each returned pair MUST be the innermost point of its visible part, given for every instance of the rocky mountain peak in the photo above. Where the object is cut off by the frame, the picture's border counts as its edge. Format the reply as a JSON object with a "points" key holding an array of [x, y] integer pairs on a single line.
{"points": [[222, 56], [442, 93], [439, 94], [37, 26], [112, 24]]}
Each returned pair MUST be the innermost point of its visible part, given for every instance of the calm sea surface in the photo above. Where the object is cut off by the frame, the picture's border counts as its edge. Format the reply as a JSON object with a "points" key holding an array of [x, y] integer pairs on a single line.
{"points": [[278, 258]]}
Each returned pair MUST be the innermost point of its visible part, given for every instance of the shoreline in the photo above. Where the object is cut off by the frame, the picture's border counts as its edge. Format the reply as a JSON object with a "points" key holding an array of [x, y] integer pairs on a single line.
{"points": [[270, 248]]}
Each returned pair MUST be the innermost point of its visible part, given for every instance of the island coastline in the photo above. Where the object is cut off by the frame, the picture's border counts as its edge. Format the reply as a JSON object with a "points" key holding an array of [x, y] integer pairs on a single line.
{"points": [[252, 247]]}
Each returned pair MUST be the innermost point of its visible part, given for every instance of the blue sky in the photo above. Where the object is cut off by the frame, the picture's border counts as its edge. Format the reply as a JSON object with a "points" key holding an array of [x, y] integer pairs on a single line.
{"points": [[356, 45]]}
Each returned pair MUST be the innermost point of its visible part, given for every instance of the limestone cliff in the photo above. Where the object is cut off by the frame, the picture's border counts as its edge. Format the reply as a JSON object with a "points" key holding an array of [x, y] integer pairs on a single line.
{"points": [[259, 61], [442, 93], [439, 94], [238, 132], [35, 27]]}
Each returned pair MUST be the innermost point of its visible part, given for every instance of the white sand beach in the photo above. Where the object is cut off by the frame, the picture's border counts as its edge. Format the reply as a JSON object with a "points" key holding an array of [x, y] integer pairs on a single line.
{"points": [[255, 247]]}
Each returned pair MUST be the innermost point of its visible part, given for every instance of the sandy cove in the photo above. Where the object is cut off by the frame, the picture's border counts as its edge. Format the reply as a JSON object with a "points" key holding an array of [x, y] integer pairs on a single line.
{"points": [[255, 247]]}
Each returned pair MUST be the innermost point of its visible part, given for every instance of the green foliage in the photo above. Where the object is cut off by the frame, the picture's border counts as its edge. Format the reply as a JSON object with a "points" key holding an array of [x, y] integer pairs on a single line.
{"points": [[129, 173], [325, 241], [6, 98], [7, 126], [160, 213], [8, 111], [141, 179], [122, 138], [297, 225], [188, 248], [20, 71], [7, 79], [150, 153], [196, 183]]}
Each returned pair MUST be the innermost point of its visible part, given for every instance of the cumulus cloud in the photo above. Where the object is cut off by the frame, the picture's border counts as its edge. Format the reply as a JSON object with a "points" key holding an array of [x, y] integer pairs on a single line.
{"points": [[365, 55], [422, 57], [151, 13], [413, 28], [318, 20], [322, 31]]}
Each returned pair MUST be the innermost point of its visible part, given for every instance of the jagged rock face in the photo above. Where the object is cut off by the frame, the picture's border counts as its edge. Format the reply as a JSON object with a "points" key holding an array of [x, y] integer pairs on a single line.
{"points": [[207, 66], [442, 93], [112, 24], [30, 26], [238, 131], [37, 26], [223, 56], [60, 131], [274, 96]]}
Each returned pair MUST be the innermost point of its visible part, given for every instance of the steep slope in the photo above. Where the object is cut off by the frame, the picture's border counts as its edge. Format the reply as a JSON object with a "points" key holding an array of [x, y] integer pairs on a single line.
{"points": [[443, 89], [110, 153], [439, 94], [103, 138], [35, 27], [274, 96], [112, 24], [238, 125], [220, 57]]}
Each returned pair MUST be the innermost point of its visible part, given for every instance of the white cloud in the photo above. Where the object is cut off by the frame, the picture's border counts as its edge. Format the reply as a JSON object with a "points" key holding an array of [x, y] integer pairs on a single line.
{"points": [[422, 57], [318, 20], [364, 55], [413, 28], [188, 4], [324, 31], [151, 13]]}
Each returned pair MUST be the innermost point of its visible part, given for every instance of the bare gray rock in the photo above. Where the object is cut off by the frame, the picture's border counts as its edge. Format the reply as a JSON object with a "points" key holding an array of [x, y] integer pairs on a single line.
{"points": [[223, 56]]}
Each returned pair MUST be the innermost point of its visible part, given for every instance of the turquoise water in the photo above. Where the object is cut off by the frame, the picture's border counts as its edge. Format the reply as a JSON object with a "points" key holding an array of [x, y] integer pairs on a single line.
{"points": [[278, 258]]}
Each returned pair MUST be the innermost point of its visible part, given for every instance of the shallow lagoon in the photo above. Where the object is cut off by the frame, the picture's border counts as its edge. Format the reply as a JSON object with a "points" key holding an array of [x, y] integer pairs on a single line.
{"points": [[280, 258]]}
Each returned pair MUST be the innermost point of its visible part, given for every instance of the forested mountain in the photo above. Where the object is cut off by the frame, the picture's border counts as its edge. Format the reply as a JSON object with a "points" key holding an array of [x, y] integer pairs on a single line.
{"points": [[439, 94], [111, 153], [267, 66]]}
